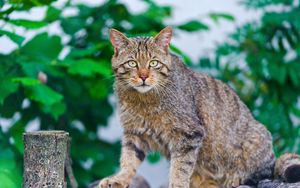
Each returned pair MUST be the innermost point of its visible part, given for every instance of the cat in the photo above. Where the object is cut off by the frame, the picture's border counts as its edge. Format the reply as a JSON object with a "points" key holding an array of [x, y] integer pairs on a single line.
{"points": [[197, 122]]}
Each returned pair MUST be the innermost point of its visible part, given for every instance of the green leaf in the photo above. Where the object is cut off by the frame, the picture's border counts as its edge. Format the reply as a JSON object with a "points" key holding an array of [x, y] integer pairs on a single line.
{"points": [[56, 109], [193, 25], [31, 69], [14, 37], [293, 72], [52, 14], [103, 168], [11, 105], [99, 90], [43, 47], [294, 75], [205, 63], [277, 72], [7, 87], [26, 81], [72, 24], [29, 24], [296, 111], [186, 58], [43, 94], [26, 4], [158, 13], [153, 157], [1, 134], [16, 131], [266, 3], [8, 168], [79, 53], [217, 16], [7, 157], [88, 67], [6, 180]]}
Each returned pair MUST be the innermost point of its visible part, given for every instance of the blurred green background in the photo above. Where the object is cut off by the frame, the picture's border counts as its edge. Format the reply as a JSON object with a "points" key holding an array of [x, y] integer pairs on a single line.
{"points": [[260, 60]]}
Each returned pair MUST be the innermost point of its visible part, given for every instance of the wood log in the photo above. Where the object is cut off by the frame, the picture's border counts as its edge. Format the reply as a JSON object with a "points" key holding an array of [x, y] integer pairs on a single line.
{"points": [[45, 156]]}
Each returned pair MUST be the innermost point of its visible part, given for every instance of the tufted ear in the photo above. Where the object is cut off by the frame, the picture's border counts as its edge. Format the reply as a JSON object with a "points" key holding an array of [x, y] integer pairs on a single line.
{"points": [[118, 40], [163, 38]]}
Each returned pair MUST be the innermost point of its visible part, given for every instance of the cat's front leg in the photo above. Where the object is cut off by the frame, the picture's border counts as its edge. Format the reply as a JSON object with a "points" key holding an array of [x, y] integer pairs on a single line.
{"points": [[133, 153], [182, 168], [184, 159]]}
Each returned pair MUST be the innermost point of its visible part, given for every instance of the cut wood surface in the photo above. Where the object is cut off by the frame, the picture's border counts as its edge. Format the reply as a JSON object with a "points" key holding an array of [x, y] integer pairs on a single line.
{"points": [[45, 155]]}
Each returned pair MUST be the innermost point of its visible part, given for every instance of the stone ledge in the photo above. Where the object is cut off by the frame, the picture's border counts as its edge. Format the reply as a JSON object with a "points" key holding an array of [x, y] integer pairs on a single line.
{"points": [[140, 182]]}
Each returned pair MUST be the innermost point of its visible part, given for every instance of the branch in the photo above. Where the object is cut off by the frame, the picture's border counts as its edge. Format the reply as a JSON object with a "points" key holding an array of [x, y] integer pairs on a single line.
{"points": [[68, 166]]}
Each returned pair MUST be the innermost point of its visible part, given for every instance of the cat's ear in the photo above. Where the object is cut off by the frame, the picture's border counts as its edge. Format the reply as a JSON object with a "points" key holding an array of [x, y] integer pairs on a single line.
{"points": [[118, 40], [163, 38]]}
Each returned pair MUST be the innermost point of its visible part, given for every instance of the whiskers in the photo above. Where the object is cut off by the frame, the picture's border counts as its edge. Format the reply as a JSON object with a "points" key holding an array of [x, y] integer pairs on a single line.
{"points": [[166, 89], [122, 83], [162, 89]]}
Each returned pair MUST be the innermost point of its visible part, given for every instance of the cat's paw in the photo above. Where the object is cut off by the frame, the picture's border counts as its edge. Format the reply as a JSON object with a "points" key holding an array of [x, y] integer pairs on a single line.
{"points": [[113, 182]]}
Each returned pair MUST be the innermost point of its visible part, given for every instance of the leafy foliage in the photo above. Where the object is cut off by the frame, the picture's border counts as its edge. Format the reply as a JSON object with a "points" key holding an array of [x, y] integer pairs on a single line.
{"points": [[193, 25], [215, 16], [262, 62], [67, 92]]}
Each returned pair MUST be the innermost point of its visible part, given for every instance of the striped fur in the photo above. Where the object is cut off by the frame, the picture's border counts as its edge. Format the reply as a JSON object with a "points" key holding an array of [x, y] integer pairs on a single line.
{"points": [[194, 120]]}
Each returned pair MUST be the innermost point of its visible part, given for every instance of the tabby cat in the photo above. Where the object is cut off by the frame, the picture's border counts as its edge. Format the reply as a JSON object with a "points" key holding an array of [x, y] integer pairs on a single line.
{"points": [[194, 120]]}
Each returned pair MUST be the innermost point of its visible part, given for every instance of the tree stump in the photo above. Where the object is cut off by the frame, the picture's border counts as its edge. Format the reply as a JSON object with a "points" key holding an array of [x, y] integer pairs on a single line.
{"points": [[44, 159]]}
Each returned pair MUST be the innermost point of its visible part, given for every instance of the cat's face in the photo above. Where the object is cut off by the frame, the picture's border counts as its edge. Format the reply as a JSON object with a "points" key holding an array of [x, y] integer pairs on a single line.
{"points": [[142, 63]]}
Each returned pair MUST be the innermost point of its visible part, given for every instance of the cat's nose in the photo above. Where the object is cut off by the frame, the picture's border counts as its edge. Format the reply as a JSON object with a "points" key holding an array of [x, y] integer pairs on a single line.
{"points": [[143, 74], [143, 77]]}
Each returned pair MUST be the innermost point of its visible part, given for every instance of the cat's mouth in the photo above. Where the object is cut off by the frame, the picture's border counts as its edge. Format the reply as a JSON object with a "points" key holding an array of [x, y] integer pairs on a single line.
{"points": [[143, 88]]}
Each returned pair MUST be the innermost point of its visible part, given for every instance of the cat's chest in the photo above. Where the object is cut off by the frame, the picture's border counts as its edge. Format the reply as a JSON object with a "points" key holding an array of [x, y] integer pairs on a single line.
{"points": [[155, 128], [145, 120]]}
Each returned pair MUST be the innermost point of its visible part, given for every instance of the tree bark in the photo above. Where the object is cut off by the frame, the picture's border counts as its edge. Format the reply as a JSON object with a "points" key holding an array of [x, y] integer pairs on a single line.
{"points": [[45, 156]]}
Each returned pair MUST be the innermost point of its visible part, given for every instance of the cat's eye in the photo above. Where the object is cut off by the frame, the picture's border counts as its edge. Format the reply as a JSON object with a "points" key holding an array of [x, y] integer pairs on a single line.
{"points": [[132, 63], [153, 63]]}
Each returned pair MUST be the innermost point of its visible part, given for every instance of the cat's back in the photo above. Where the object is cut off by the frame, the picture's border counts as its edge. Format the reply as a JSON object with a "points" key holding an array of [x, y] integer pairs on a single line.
{"points": [[232, 134], [216, 103], [225, 116]]}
